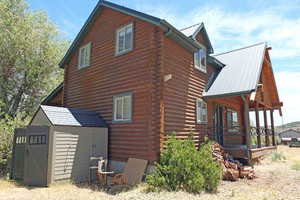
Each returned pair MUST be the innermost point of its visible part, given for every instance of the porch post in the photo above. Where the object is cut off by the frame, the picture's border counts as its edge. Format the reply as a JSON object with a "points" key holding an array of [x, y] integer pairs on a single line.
{"points": [[272, 127], [266, 128], [247, 122], [257, 127]]}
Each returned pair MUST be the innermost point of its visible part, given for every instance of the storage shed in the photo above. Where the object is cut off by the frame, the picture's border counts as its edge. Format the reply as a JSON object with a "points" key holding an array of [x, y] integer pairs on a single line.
{"points": [[57, 145]]}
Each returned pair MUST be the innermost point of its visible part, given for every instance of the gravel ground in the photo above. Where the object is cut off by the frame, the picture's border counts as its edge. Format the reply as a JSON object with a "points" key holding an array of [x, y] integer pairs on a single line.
{"points": [[276, 180]]}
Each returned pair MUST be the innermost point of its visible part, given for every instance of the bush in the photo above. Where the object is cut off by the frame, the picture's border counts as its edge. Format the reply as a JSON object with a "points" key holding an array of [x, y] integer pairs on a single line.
{"points": [[277, 156], [7, 127], [182, 167]]}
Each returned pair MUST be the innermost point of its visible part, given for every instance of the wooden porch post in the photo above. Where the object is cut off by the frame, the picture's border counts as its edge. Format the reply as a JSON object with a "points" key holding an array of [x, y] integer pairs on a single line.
{"points": [[266, 128], [272, 127], [257, 127], [247, 123]]}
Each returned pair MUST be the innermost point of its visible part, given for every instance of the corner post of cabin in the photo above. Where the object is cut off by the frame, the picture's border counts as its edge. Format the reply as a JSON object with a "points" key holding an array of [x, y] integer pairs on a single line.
{"points": [[247, 123], [257, 127], [266, 128], [272, 127]]}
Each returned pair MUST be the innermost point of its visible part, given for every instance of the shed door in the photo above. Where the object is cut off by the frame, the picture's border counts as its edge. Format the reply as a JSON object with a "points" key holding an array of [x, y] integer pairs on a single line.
{"points": [[36, 156], [18, 160]]}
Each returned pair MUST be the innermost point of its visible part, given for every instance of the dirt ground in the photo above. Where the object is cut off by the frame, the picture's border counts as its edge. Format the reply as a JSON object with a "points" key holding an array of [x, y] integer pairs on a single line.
{"points": [[276, 180]]}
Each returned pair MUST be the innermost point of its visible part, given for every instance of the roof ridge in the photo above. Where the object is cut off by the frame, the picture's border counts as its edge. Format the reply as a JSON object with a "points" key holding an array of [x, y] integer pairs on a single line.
{"points": [[183, 29], [240, 48]]}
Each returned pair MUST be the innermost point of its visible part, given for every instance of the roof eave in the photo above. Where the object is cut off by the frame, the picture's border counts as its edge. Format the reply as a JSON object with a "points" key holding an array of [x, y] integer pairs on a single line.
{"points": [[228, 94], [202, 28], [52, 94], [171, 31]]}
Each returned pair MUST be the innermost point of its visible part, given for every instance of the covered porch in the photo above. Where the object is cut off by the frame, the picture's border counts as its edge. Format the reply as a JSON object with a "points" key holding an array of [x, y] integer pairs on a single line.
{"points": [[244, 87]]}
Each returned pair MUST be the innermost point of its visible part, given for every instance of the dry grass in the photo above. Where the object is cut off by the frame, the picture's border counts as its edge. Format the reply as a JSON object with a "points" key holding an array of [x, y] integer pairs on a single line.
{"points": [[276, 180]]}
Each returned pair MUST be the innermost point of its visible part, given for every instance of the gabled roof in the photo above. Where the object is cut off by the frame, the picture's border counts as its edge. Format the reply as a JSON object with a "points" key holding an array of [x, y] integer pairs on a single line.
{"points": [[241, 73], [53, 94], [169, 30], [192, 32], [290, 133], [72, 117]]}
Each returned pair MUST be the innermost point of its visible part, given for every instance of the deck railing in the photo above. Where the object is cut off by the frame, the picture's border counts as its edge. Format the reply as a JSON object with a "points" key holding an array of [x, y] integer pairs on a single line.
{"points": [[261, 136]]}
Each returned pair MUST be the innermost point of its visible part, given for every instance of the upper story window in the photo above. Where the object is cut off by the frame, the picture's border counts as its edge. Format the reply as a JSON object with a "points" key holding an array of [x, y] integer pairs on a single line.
{"points": [[200, 59], [122, 108], [201, 107], [232, 119], [84, 56], [124, 39]]}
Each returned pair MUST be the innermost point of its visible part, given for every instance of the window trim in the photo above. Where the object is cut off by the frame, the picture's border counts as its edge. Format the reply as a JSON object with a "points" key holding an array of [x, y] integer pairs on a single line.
{"points": [[117, 52], [89, 48], [232, 128], [205, 66], [114, 120], [197, 112]]}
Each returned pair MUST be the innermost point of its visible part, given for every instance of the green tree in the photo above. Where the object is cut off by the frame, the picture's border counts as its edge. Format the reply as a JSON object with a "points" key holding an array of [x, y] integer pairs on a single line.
{"points": [[30, 48]]}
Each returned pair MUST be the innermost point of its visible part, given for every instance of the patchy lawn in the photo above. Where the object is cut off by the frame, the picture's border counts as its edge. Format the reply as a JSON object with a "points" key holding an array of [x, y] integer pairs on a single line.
{"points": [[276, 180]]}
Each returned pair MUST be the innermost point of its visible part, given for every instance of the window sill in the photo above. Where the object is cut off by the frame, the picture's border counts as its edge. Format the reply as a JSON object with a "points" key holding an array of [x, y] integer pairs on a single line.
{"points": [[204, 123], [81, 68], [121, 121], [201, 70], [123, 52]]}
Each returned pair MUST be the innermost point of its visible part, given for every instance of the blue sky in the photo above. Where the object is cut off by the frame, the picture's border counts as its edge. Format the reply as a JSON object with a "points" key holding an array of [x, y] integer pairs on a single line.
{"points": [[230, 24]]}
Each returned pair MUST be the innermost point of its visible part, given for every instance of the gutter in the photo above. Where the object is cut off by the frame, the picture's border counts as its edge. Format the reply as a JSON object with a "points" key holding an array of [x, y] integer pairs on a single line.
{"points": [[179, 37], [228, 94]]}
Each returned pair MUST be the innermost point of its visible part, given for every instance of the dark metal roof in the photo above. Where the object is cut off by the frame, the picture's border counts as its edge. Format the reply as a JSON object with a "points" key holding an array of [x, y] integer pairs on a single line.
{"points": [[72, 117], [53, 94], [193, 31], [241, 73], [290, 133], [169, 30]]}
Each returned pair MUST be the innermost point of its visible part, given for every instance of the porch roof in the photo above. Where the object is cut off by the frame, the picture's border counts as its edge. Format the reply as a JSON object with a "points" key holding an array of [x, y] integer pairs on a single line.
{"points": [[241, 73]]}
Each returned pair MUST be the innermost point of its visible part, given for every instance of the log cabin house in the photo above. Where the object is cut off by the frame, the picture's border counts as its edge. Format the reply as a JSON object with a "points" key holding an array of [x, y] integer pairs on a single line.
{"points": [[146, 79]]}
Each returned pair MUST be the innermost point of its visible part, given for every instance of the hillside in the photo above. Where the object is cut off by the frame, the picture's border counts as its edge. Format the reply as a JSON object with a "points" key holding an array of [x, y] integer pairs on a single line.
{"points": [[292, 125]]}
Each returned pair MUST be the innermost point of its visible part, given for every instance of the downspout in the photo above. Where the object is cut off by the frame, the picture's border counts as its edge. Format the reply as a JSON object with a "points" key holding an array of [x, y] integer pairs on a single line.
{"points": [[247, 126]]}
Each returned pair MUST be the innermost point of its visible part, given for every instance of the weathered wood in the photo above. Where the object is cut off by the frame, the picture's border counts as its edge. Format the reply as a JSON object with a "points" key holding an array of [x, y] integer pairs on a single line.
{"points": [[247, 122], [257, 128], [266, 128], [272, 128]]}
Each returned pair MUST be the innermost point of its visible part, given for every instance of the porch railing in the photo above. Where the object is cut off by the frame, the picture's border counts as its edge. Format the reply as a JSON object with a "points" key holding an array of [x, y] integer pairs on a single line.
{"points": [[261, 136]]}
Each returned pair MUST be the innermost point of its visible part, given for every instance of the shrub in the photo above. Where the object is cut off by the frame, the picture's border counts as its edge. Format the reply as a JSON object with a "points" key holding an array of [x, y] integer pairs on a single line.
{"points": [[277, 156], [7, 127], [296, 166], [182, 167]]}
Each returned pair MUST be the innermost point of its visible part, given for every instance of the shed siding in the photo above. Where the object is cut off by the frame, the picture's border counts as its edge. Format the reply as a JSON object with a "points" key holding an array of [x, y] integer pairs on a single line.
{"points": [[40, 119], [73, 148], [92, 88]]}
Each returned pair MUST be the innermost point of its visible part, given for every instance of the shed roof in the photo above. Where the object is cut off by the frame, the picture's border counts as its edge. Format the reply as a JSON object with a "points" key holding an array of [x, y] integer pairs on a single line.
{"points": [[290, 133], [72, 117], [241, 73]]}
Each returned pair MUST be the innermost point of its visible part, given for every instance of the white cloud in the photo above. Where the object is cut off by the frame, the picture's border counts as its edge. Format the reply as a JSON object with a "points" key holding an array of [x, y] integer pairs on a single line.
{"points": [[289, 92], [229, 30]]}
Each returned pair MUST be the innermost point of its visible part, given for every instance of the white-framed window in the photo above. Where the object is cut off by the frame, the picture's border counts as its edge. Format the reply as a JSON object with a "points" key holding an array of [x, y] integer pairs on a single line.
{"points": [[122, 111], [84, 56], [124, 39], [200, 59], [232, 119], [201, 111]]}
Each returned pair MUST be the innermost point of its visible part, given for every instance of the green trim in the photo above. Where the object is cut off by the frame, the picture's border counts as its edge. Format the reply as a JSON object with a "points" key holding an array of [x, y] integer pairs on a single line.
{"points": [[206, 38], [228, 94], [215, 62], [130, 109], [171, 31], [53, 94]]}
